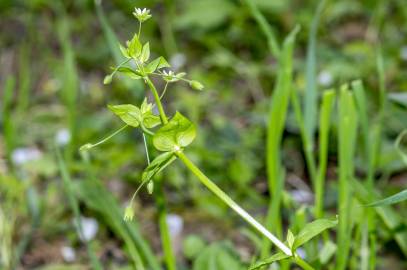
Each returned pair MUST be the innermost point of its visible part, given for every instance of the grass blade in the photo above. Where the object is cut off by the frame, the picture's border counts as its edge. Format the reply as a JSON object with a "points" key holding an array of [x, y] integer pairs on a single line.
{"points": [[396, 198], [276, 122], [265, 28], [347, 135], [74, 205], [311, 95], [328, 100]]}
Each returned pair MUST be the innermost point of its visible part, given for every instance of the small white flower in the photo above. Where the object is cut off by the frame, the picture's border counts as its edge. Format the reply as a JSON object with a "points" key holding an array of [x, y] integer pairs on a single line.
{"points": [[68, 253], [89, 227], [177, 61], [24, 155], [142, 14], [175, 225], [62, 137], [403, 53], [170, 76], [325, 78]]}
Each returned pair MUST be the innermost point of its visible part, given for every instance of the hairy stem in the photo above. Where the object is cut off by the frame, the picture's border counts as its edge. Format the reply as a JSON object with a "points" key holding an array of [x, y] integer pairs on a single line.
{"points": [[163, 116], [232, 204]]}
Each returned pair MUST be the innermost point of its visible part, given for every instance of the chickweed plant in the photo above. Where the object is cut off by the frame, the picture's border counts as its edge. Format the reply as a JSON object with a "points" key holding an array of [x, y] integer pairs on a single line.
{"points": [[171, 135]]}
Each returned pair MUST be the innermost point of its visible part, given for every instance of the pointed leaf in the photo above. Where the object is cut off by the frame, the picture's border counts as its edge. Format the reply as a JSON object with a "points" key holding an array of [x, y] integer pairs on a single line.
{"points": [[145, 53], [130, 73], [129, 114], [311, 230], [178, 132], [396, 198], [124, 52], [276, 257], [157, 63], [157, 165], [134, 47], [290, 238]]}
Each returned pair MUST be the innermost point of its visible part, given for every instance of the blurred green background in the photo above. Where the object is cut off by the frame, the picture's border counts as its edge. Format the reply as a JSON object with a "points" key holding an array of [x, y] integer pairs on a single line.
{"points": [[53, 57]]}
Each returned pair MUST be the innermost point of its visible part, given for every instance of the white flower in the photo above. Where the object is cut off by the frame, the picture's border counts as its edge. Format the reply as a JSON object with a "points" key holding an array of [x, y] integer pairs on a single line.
{"points": [[170, 76], [175, 225], [89, 227], [403, 53], [325, 78], [24, 155], [62, 137], [68, 253], [142, 14]]}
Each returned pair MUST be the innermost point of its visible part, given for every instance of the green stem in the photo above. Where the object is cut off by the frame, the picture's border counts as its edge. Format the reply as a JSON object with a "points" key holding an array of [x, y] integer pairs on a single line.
{"points": [[232, 204], [302, 263], [163, 116]]}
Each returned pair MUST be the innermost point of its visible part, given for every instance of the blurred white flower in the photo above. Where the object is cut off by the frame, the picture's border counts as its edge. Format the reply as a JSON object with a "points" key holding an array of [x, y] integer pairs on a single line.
{"points": [[68, 253], [175, 225], [403, 53], [89, 227], [25, 154], [62, 137], [177, 61], [325, 78]]}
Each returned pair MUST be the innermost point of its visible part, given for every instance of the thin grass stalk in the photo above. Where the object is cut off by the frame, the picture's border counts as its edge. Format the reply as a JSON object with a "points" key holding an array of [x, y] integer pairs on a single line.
{"points": [[265, 27], [74, 205], [347, 133], [275, 128], [311, 95], [328, 100]]}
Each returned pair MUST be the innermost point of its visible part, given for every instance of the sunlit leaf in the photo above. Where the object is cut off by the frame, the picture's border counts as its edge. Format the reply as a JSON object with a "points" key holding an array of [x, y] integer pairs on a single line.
{"points": [[157, 165], [178, 132], [129, 114], [311, 230], [276, 257], [396, 198], [145, 53]]}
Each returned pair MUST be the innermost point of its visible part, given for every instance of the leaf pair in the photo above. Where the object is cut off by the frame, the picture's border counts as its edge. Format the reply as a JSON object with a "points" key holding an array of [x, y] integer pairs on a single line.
{"points": [[306, 234], [135, 116], [176, 134]]}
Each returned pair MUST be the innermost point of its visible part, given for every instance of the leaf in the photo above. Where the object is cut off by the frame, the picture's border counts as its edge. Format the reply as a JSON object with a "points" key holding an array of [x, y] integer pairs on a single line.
{"points": [[399, 97], [124, 52], [157, 165], [311, 230], [290, 238], [178, 132], [150, 120], [130, 73], [129, 114], [396, 198], [157, 63], [276, 257], [134, 47], [145, 53], [217, 256]]}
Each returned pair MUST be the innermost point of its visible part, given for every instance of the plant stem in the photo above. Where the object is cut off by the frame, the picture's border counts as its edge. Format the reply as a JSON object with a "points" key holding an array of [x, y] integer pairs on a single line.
{"points": [[159, 194], [302, 263], [232, 204], [163, 116]]}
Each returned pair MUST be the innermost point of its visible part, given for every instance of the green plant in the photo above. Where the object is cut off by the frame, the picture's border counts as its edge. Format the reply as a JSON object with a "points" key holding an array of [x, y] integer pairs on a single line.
{"points": [[171, 135]]}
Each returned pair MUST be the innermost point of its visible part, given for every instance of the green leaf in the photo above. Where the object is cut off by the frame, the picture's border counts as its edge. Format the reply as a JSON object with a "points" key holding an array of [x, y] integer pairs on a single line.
{"points": [[134, 47], [145, 53], [290, 238], [396, 198], [157, 165], [178, 132], [130, 73], [129, 114], [157, 63], [124, 51], [276, 257], [150, 120], [311, 230]]}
